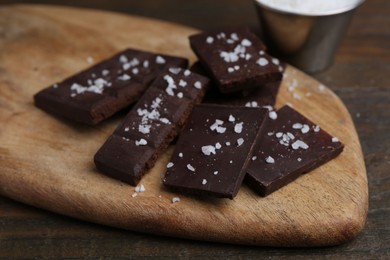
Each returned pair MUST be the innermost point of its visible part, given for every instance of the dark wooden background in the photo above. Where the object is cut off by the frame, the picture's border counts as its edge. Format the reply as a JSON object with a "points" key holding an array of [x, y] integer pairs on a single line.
{"points": [[360, 75]]}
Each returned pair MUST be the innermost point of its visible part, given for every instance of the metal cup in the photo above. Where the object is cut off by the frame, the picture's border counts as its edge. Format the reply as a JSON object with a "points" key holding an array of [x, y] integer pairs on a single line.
{"points": [[305, 40]]}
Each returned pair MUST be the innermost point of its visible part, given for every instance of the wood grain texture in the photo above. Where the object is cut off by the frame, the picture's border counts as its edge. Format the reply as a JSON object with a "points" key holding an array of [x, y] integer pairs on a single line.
{"points": [[46, 162]]}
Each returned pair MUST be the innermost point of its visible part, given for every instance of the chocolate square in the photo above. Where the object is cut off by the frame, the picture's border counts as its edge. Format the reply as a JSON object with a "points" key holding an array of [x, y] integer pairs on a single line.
{"points": [[214, 149], [290, 146], [235, 59], [100, 91]]}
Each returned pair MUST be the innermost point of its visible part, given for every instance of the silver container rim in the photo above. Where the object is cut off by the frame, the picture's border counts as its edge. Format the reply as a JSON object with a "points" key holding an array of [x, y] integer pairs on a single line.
{"points": [[336, 11]]}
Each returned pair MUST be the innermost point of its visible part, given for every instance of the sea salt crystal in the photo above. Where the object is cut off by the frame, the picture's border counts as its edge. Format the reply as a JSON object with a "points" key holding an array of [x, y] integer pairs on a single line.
{"points": [[316, 128], [105, 72], [220, 129], [182, 83], [299, 144], [204, 182], [160, 60], [335, 140], [231, 118], [181, 155], [175, 199], [273, 115], [190, 167], [269, 159], [262, 61], [187, 73], [208, 150], [238, 128], [297, 126], [254, 158], [141, 142], [215, 172], [124, 77], [252, 104], [246, 43], [209, 40], [305, 129], [240, 141], [170, 165], [218, 146], [140, 188], [123, 59], [198, 85]]}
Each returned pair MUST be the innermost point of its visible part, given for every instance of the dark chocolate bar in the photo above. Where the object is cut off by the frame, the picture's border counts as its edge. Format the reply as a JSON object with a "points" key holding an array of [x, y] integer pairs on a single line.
{"points": [[235, 59], [214, 149], [291, 145], [100, 91], [151, 125], [263, 95]]}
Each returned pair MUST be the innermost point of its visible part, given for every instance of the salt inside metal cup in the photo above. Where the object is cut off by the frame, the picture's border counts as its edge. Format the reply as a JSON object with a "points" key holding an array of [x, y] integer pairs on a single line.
{"points": [[305, 33]]}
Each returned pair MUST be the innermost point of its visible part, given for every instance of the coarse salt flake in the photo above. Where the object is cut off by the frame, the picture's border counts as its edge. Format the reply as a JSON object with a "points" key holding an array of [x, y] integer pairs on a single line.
{"points": [[273, 115], [190, 167], [231, 118], [305, 129], [141, 142], [240, 141], [269, 159], [124, 77], [299, 144], [182, 83], [218, 146], [170, 165], [246, 42], [335, 140], [187, 73], [208, 150], [160, 60], [262, 61], [209, 40], [238, 128], [198, 85], [204, 182], [175, 199], [297, 126], [140, 188]]}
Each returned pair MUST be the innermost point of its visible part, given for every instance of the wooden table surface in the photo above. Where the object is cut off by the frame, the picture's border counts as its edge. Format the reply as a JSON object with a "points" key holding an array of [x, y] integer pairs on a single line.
{"points": [[359, 75]]}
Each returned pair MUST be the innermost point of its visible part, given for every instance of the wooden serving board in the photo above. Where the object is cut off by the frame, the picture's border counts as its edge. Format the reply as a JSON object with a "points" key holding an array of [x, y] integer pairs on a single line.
{"points": [[48, 163]]}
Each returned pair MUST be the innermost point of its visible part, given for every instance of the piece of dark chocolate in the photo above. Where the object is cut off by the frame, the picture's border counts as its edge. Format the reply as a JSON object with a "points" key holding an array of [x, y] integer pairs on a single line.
{"points": [[151, 125], [264, 95], [291, 145], [235, 59], [100, 91], [213, 150]]}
